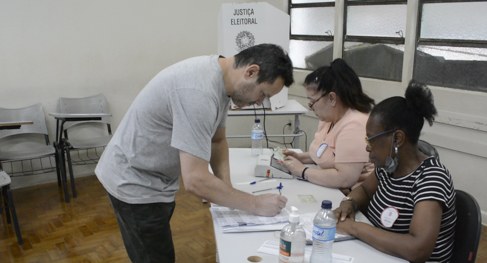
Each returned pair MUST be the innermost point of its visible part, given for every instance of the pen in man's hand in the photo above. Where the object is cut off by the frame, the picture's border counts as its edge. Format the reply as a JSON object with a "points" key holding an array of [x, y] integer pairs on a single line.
{"points": [[279, 187]]}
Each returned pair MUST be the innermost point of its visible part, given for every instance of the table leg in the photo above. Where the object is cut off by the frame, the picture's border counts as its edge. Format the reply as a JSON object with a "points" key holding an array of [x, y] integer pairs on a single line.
{"points": [[296, 131]]}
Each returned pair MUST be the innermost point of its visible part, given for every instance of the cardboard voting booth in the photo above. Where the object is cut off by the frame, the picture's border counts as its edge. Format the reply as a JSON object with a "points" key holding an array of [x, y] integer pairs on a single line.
{"points": [[241, 26]]}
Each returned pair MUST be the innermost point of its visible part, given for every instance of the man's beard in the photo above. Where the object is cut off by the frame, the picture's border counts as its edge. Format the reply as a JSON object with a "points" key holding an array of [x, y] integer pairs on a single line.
{"points": [[239, 98]]}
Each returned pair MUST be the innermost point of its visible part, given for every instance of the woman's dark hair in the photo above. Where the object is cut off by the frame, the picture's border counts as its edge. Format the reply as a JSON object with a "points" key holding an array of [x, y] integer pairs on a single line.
{"points": [[272, 60], [315, 76], [341, 79], [407, 114]]}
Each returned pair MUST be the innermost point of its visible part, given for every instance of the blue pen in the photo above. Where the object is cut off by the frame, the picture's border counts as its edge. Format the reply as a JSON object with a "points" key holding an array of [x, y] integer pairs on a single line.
{"points": [[280, 187], [254, 182]]}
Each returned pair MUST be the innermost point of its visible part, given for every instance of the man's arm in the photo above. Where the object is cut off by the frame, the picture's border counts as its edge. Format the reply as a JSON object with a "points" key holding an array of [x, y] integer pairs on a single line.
{"points": [[219, 156], [198, 180]]}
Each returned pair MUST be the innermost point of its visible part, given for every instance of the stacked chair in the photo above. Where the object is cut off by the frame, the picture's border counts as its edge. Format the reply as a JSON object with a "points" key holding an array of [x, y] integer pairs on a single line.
{"points": [[85, 140], [24, 151]]}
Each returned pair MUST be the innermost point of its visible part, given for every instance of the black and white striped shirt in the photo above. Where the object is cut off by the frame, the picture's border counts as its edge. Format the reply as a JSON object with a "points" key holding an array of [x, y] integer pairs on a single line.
{"points": [[430, 181]]}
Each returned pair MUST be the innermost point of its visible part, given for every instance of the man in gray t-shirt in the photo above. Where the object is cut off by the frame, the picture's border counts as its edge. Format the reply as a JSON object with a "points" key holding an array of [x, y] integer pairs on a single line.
{"points": [[176, 126]]}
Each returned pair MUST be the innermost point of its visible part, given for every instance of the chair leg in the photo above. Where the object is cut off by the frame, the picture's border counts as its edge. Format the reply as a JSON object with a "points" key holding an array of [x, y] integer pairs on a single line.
{"points": [[62, 170], [14, 216], [71, 174], [58, 171], [5, 204]]}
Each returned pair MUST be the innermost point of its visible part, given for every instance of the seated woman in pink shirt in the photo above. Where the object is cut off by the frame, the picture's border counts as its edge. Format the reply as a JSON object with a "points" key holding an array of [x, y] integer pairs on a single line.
{"points": [[338, 148]]}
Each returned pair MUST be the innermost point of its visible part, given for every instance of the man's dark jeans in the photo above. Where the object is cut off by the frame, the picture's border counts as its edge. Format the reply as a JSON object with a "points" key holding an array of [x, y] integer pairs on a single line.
{"points": [[145, 230]]}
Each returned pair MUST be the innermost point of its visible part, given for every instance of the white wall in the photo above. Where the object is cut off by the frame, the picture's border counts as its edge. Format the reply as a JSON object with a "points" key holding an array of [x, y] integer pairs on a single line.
{"points": [[52, 48]]}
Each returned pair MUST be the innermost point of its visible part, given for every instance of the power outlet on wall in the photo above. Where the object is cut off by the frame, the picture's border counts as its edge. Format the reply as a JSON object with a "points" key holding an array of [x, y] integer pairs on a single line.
{"points": [[289, 125]]}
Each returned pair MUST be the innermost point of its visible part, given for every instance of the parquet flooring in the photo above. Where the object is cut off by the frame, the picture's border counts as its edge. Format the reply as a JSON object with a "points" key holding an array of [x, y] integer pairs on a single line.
{"points": [[86, 231]]}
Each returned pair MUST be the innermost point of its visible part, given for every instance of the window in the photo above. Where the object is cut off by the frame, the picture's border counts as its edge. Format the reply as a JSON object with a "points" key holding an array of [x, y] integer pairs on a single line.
{"points": [[452, 44], [450, 38], [374, 38], [311, 39]]}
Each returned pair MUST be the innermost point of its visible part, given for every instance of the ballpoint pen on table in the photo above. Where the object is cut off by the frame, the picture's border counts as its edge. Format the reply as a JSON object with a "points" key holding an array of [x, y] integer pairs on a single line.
{"points": [[261, 180], [279, 187]]}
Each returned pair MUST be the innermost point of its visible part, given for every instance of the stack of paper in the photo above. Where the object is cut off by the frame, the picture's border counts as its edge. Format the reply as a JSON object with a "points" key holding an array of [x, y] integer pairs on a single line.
{"points": [[233, 220]]}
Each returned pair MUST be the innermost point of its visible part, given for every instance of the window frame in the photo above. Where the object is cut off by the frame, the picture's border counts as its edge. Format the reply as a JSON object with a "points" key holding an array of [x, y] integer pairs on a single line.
{"points": [[442, 42], [399, 40], [309, 37], [411, 44], [369, 39], [318, 38]]}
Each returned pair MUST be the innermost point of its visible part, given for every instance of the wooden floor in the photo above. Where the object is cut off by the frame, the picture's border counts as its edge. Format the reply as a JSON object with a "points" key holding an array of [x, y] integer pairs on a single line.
{"points": [[86, 230]]}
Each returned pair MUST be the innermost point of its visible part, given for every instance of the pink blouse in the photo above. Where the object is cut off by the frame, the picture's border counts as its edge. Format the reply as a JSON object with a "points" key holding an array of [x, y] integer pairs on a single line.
{"points": [[342, 143]]}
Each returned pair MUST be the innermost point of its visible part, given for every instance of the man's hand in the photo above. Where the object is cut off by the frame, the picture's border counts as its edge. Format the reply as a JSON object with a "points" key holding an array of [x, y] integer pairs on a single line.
{"points": [[269, 204]]}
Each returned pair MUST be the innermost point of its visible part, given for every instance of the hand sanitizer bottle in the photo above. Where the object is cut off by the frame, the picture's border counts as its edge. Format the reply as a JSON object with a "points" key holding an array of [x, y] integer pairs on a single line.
{"points": [[293, 240]]}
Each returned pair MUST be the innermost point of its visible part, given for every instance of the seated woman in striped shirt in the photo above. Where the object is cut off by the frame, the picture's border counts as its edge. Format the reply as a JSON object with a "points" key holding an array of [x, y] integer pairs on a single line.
{"points": [[410, 198]]}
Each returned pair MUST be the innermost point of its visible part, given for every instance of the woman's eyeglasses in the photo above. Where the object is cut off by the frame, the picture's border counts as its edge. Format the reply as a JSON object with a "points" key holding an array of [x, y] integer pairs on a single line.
{"points": [[312, 102], [375, 136]]}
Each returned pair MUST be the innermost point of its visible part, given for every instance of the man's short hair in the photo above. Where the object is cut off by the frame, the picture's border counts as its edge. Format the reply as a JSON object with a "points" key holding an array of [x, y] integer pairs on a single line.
{"points": [[272, 60]]}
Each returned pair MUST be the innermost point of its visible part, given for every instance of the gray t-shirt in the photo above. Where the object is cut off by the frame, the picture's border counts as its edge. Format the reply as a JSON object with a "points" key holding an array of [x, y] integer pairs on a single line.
{"points": [[179, 109]]}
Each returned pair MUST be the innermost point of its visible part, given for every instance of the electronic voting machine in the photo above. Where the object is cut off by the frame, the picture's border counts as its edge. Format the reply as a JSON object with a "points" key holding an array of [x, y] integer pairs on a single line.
{"points": [[269, 166]]}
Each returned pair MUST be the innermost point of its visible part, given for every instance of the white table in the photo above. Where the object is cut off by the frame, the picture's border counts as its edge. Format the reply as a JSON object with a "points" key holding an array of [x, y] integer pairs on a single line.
{"points": [[10, 125], [237, 247], [292, 107]]}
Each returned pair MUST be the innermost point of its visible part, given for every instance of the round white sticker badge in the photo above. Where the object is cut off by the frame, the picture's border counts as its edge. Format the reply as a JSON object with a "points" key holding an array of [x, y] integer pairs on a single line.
{"points": [[321, 149], [389, 216]]}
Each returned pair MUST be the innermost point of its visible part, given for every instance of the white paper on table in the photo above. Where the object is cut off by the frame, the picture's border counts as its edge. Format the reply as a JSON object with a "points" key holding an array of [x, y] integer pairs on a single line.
{"points": [[256, 228], [271, 247], [307, 223], [227, 217]]}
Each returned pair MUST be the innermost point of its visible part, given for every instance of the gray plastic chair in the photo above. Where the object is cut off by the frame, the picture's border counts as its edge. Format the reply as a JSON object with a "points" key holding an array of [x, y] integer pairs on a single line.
{"points": [[428, 149], [85, 138], [27, 151], [8, 205]]}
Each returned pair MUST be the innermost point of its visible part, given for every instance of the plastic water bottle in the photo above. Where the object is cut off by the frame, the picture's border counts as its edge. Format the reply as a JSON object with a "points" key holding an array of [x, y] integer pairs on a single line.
{"points": [[324, 228], [293, 240], [257, 136]]}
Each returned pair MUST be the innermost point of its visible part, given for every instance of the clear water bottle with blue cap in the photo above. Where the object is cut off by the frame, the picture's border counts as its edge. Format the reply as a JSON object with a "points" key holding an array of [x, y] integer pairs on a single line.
{"points": [[257, 136], [324, 228]]}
